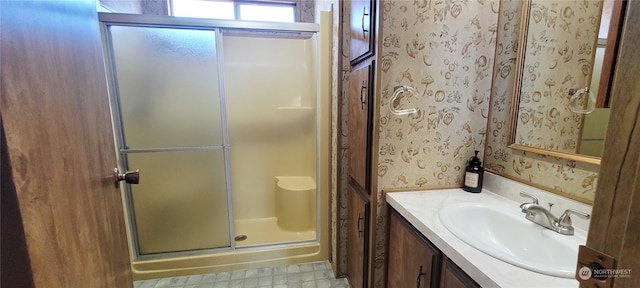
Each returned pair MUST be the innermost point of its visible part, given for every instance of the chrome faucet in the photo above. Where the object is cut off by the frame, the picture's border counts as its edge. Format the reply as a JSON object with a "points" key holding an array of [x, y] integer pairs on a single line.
{"points": [[543, 217]]}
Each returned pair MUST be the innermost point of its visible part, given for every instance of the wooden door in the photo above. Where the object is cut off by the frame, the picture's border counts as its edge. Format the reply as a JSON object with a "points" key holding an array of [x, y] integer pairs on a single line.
{"points": [[55, 114], [357, 245], [362, 30], [360, 125], [615, 220], [413, 261]]}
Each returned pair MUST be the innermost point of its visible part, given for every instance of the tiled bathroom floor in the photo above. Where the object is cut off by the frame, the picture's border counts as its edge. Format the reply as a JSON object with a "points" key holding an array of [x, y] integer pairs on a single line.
{"points": [[307, 275]]}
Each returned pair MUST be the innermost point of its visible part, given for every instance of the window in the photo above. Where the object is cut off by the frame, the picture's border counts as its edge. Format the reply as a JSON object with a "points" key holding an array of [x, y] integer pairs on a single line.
{"points": [[203, 9], [241, 10]]}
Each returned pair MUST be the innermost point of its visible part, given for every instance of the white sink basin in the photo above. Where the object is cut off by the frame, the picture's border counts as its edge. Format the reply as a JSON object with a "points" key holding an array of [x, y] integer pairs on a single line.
{"points": [[511, 238]]}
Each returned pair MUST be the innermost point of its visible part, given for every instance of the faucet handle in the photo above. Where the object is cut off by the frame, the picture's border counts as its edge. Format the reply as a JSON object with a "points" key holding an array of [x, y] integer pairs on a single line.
{"points": [[527, 195], [565, 218]]}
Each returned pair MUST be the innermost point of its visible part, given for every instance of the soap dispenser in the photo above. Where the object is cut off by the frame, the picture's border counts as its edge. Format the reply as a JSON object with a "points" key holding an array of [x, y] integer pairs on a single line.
{"points": [[473, 175]]}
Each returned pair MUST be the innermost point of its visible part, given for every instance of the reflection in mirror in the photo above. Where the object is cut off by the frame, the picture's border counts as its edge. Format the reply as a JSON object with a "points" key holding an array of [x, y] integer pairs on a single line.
{"points": [[560, 68], [607, 50]]}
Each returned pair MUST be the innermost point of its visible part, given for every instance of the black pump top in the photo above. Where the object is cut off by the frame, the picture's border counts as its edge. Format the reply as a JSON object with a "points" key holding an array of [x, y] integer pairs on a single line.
{"points": [[475, 161]]}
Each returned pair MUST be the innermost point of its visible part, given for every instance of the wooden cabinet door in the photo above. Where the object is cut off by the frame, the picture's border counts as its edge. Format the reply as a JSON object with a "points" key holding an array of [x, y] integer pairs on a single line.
{"points": [[413, 261], [362, 38], [360, 125], [454, 277], [358, 240], [59, 141]]}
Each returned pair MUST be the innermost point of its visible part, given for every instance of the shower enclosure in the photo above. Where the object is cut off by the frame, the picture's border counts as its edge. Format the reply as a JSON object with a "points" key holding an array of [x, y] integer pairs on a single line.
{"points": [[223, 120]]}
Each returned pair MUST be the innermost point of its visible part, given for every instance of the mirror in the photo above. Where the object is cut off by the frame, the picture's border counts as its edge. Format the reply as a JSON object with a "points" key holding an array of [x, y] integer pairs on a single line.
{"points": [[565, 62]]}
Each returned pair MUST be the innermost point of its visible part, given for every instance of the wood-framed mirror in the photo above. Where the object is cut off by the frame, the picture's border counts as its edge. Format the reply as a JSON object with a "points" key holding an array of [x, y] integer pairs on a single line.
{"points": [[564, 69]]}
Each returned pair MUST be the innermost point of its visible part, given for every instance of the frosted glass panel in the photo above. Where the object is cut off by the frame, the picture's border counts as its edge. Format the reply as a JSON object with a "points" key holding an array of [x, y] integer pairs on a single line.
{"points": [[168, 87], [181, 201]]}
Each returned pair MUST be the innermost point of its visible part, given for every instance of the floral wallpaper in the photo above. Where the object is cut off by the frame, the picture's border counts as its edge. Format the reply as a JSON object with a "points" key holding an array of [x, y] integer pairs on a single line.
{"points": [[569, 178], [154, 7], [445, 50], [308, 9], [559, 57], [343, 140]]}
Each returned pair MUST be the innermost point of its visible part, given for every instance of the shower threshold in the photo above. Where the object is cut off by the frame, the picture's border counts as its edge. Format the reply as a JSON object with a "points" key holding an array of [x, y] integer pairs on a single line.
{"points": [[265, 231]]}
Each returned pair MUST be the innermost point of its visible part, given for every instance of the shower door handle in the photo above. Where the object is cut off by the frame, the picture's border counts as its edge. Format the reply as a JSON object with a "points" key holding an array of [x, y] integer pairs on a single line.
{"points": [[130, 177]]}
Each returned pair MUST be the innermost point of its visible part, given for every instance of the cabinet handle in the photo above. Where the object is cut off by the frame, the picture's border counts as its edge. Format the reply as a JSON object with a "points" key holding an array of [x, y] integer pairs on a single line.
{"points": [[364, 13], [362, 96], [420, 274], [360, 218]]}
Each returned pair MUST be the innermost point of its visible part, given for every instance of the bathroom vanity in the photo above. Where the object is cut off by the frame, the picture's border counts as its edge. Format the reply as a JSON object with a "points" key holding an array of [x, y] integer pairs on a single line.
{"points": [[425, 253]]}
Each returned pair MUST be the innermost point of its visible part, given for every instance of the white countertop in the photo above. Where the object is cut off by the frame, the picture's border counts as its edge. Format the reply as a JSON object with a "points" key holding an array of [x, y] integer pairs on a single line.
{"points": [[421, 209]]}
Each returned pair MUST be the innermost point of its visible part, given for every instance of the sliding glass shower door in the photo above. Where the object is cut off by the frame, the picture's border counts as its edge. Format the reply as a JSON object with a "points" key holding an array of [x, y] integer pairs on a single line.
{"points": [[170, 116]]}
